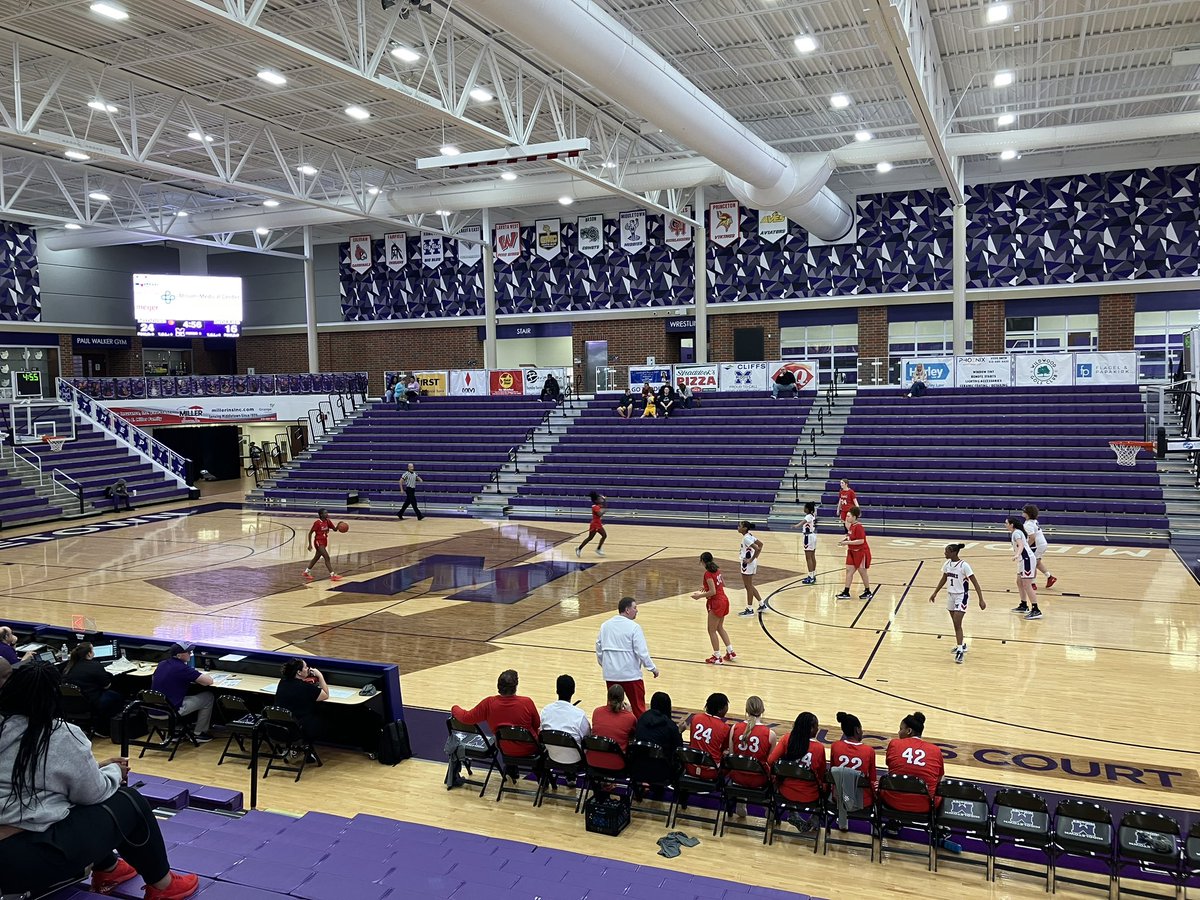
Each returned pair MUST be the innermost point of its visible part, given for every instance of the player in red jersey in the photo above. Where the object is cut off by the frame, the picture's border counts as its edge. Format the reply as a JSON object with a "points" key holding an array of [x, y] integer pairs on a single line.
{"points": [[708, 731], [319, 534], [850, 751], [847, 500], [858, 556], [911, 754], [803, 747], [712, 588], [595, 527], [752, 738]]}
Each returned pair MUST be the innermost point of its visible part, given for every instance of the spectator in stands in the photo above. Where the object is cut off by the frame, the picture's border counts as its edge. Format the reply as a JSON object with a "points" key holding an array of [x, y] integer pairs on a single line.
{"points": [[119, 491], [94, 683], [667, 401], [391, 395], [657, 727], [411, 393], [802, 746], [506, 708], [8, 643], [918, 386], [613, 720], [174, 675], [551, 390], [686, 396], [300, 689], [563, 715], [910, 754], [651, 400], [625, 405], [784, 381], [6, 671], [63, 812]]}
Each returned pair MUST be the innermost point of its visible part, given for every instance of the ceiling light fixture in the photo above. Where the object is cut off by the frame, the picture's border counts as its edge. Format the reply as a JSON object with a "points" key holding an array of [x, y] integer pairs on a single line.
{"points": [[481, 95], [998, 12], [109, 11], [1003, 79], [404, 54], [357, 112], [805, 43], [306, 169], [100, 106], [182, 214], [508, 176], [262, 231], [1005, 119], [863, 136], [839, 101], [270, 76], [77, 155], [883, 167], [373, 191], [99, 196], [450, 150], [200, 136], [71, 226], [1006, 155], [565, 200], [271, 203]]}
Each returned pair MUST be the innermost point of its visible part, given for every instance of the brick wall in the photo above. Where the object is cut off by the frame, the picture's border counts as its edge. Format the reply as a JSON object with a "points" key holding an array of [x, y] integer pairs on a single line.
{"points": [[988, 320], [273, 354], [721, 329], [630, 341], [127, 363], [1116, 322], [872, 344]]}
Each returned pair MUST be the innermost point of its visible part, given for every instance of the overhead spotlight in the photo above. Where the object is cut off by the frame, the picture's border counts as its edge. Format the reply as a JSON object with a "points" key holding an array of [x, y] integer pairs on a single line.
{"points": [[109, 11], [509, 176], [883, 167], [357, 112], [481, 95], [99, 196], [1005, 119], [262, 231], [270, 76], [373, 191], [77, 155], [306, 169], [608, 164], [998, 12], [271, 203], [182, 214], [805, 43], [404, 54], [101, 106], [1006, 155], [450, 150], [839, 101], [565, 200], [71, 226], [1003, 79], [863, 136], [442, 212], [200, 136]]}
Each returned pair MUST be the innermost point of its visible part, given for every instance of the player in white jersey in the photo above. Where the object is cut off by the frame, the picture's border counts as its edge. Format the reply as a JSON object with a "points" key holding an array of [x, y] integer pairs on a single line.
{"points": [[958, 576], [1035, 534], [748, 553], [1026, 560], [810, 541]]}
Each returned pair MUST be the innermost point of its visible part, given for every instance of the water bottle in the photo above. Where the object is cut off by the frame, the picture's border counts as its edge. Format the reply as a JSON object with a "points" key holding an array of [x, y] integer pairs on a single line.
{"points": [[63, 655], [124, 656]]}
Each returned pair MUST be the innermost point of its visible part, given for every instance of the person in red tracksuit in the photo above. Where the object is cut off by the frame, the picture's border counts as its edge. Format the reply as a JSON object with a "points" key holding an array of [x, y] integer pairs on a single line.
{"points": [[911, 754]]}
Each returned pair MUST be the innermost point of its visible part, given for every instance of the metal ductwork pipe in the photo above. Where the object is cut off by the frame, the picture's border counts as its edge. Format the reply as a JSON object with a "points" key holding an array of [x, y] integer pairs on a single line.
{"points": [[585, 40]]}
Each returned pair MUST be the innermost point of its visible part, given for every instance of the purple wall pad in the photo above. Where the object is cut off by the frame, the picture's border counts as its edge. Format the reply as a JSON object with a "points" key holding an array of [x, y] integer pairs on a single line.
{"points": [[338, 886], [168, 795], [216, 798], [267, 875]]}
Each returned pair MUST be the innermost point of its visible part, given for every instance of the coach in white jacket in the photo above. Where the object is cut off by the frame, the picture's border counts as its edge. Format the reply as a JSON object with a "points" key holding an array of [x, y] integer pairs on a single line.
{"points": [[622, 653]]}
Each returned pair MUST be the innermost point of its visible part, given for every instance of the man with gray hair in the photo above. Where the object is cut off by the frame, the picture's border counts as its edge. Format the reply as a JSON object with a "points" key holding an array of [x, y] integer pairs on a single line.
{"points": [[8, 642]]}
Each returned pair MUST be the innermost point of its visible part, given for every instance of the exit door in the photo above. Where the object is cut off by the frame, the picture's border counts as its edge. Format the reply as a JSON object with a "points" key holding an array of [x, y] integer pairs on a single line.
{"points": [[748, 345]]}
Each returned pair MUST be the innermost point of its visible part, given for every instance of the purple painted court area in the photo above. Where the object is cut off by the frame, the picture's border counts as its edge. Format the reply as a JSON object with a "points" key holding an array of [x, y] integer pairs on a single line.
{"points": [[231, 585], [448, 572]]}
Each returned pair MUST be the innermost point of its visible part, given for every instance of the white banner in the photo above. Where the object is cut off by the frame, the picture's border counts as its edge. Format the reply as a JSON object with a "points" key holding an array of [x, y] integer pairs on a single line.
{"points": [[1106, 368], [724, 222], [508, 241], [805, 372], [1043, 369], [470, 253], [633, 230], [772, 225], [698, 378], [744, 376], [469, 383], [210, 410], [433, 251], [535, 378], [983, 371], [590, 235], [395, 249], [935, 371], [361, 255], [677, 233], [547, 238], [655, 376]]}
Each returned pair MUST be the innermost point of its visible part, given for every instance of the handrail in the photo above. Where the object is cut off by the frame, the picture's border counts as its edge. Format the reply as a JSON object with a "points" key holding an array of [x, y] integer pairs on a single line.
{"points": [[34, 462], [78, 492]]}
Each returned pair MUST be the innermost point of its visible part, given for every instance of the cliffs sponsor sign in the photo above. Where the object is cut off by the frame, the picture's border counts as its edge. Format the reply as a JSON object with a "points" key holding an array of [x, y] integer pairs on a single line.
{"points": [[434, 384], [508, 242], [1043, 369], [805, 372], [468, 382], [743, 376], [1106, 368], [698, 378], [506, 382], [983, 371]]}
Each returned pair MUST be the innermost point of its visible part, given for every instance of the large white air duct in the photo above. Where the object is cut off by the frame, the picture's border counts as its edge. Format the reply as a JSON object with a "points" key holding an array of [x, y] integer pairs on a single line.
{"points": [[582, 38]]}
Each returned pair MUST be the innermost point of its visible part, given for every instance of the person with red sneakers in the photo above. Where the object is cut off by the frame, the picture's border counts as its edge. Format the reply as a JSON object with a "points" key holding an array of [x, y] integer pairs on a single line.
{"points": [[1037, 537], [858, 556], [596, 526], [63, 811], [319, 533], [712, 589]]}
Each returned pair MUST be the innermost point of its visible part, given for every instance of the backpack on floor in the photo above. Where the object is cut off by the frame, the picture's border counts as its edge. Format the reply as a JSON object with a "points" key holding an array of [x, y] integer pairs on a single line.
{"points": [[393, 744]]}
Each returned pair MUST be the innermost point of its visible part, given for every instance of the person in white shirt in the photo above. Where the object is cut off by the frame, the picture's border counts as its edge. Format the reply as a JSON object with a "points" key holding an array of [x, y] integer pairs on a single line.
{"points": [[563, 715], [622, 654]]}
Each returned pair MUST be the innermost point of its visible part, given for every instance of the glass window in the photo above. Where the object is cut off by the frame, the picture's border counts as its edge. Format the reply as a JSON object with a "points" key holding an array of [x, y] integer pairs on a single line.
{"points": [[1051, 334]]}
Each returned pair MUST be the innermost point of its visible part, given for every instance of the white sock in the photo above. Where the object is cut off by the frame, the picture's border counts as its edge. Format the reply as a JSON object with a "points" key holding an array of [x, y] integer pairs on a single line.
{"points": [[306, 572], [729, 648]]}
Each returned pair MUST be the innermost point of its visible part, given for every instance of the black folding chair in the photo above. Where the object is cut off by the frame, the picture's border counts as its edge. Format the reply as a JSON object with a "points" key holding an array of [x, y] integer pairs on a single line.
{"points": [[866, 814], [1021, 818], [649, 767], [1191, 856], [1083, 829], [699, 776], [285, 740], [240, 722], [552, 769], [518, 765], [475, 746], [164, 723], [1153, 842], [733, 793], [75, 708], [605, 763], [887, 814], [964, 811], [792, 772]]}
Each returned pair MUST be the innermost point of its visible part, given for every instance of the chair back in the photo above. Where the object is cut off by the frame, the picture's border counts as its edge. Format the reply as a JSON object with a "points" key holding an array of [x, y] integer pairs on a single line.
{"points": [[75, 705], [156, 704], [1191, 848], [552, 737], [902, 784], [795, 770], [1149, 837], [519, 734], [475, 743], [1020, 815], [280, 726], [645, 751], [1083, 828], [964, 805], [607, 749], [233, 706], [749, 765], [697, 763]]}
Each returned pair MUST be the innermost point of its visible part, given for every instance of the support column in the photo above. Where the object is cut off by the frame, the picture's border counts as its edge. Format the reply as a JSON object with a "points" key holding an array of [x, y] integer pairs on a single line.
{"points": [[700, 248], [489, 294], [310, 302], [959, 274]]}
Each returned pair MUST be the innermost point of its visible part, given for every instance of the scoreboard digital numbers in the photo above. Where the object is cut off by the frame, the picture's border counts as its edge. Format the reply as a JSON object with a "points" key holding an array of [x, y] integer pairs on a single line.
{"points": [[27, 384]]}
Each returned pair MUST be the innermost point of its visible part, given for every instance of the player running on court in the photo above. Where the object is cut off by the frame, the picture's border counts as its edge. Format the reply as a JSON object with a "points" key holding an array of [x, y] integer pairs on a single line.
{"points": [[1034, 532], [1026, 560], [596, 526], [712, 589], [858, 556], [958, 576], [748, 553], [319, 534], [810, 542]]}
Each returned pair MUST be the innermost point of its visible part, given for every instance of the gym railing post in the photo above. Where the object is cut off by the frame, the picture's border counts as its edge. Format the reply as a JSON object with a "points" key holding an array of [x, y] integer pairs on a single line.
{"points": [[255, 744]]}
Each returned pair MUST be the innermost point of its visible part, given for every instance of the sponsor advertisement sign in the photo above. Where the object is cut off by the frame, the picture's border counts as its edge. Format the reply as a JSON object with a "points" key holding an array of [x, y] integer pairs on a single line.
{"points": [[547, 238], [935, 371], [361, 255], [724, 222], [151, 412], [1043, 369], [395, 249], [470, 251], [743, 376], [805, 372], [508, 241], [698, 378], [655, 376], [506, 382], [983, 371], [535, 378], [1106, 368], [468, 382], [434, 384]]}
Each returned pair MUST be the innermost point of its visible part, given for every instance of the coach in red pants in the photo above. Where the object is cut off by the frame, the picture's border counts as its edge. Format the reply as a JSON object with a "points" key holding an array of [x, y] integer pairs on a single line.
{"points": [[622, 654]]}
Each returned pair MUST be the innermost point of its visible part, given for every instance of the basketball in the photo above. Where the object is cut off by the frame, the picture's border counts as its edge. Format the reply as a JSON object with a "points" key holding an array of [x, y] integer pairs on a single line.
{"points": [[343, 527]]}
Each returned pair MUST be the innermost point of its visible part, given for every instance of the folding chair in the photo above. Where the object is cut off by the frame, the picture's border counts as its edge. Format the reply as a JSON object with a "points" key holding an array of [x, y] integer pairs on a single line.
{"points": [[921, 820], [793, 772], [476, 746], [1191, 856], [605, 763], [1083, 829], [650, 767], [733, 793], [866, 814], [552, 769], [964, 811], [1021, 818], [1152, 842], [517, 766], [75, 707], [165, 723], [240, 722], [699, 776], [284, 737]]}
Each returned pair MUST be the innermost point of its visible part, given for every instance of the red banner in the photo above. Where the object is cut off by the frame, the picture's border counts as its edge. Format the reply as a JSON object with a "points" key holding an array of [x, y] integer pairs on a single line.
{"points": [[507, 381]]}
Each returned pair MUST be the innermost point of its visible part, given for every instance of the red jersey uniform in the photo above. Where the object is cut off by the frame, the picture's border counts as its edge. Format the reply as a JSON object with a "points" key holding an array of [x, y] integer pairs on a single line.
{"points": [[320, 530], [618, 726], [847, 500], [859, 554], [718, 603], [503, 710], [860, 757], [803, 791], [914, 756], [710, 734], [754, 742], [596, 524]]}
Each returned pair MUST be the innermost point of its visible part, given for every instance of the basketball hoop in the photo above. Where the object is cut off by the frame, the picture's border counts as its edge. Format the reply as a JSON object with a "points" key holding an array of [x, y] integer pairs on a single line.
{"points": [[56, 443], [1127, 451]]}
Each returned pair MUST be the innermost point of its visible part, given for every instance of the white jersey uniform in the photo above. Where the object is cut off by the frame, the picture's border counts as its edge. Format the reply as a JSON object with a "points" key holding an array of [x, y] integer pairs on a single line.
{"points": [[746, 554], [958, 588], [810, 532], [1036, 537], [1026, 558]]}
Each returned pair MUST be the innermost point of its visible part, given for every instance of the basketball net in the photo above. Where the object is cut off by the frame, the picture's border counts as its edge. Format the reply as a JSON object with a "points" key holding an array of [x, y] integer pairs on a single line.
{"points": [[1127, 451], [56, 443]]}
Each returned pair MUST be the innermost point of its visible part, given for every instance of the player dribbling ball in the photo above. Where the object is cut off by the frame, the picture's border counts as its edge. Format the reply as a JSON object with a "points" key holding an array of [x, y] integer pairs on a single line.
{"points": [[343, 527]]}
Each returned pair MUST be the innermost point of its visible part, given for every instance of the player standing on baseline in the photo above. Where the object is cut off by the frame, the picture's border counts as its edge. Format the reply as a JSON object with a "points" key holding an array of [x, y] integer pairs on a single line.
{"points": [[319, 533], [1026, 560], [1033, 530], [596, 526], [956, 573], [748, 553], [810, 541], [712, 589]]}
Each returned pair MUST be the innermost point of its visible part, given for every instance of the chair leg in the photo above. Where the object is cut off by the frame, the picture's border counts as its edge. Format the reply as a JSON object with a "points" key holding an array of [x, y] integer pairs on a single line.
{"points": [[487, 778], [933, 849]]}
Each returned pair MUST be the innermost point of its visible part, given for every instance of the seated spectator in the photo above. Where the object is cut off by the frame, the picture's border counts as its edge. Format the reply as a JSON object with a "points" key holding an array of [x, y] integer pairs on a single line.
{"points": [[850, 751], [918, 386], [119, 491], [784, 381], [803, 747], [666, 399], [563, 715], [64, 811], [910, 754], [94, 683], [651, 409], [412, 390], [551, 390], [685, 395], [708, 731], [506, 708], [625, 405], [8, 644], [656, 726], [6, 671], [300, 689], [389, 396], [174, 675], [752, 738], [613, 720]]}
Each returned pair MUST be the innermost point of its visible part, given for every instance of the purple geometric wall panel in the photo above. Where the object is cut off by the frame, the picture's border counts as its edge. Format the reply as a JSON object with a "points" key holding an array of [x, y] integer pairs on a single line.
{"points": [[1113, 226], [20, 292]]}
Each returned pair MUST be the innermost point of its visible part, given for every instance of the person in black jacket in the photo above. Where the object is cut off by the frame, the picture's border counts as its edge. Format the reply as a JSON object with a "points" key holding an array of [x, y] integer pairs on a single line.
{"points": [[94, 683], [657, 727], [301, 688]]}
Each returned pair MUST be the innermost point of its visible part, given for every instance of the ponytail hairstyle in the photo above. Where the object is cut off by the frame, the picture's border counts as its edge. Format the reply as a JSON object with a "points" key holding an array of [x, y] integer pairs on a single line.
{"points": [[810, 508], [78, 655], [747, 524], [32, 692], [754, 707], [710, 564], [954, 549], [1017, 523], [291, 668], [595, 496], [915, 722], [616, 698], [803, 730], [851, 727]]}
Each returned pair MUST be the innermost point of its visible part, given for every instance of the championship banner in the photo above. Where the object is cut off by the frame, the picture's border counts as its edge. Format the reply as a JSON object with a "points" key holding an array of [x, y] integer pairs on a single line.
{"points": [[547, 238], [395, 250], [1043, 369], [361, 255], [805, 372], [772, 225], [935, 371], [535, 378], [655, 376], [743, 376], [470, 251], [590, 235], [1106, 368], [677, 233], [468, 382], [983, 371], [433, 384], [506, 382], [698, 378], [508, 242], [633, 230], [433, 251], [724, 222]]}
